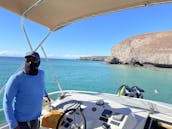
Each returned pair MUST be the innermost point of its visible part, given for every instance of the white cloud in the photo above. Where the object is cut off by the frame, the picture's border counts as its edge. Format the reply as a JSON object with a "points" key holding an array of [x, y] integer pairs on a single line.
{"points": [[10, 53]]}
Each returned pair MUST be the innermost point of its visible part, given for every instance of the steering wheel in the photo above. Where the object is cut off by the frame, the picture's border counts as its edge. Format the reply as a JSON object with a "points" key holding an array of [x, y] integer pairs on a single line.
{"points": [[74, 124]]}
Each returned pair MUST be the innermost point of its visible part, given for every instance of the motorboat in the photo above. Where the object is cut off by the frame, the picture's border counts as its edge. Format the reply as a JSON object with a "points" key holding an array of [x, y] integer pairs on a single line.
{"points": [[76, 109]]}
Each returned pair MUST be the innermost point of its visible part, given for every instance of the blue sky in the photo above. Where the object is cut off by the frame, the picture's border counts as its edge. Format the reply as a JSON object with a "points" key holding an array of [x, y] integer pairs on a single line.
{"points": [[93, 36]]}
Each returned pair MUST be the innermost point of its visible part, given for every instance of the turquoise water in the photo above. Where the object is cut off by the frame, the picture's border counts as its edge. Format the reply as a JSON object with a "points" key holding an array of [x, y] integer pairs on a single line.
{"points": [[97, 76]]}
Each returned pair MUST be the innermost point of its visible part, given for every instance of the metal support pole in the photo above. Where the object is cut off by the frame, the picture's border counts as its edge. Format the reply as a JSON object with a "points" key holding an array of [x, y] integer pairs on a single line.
{"points": [[52, 71], [23, 17]]}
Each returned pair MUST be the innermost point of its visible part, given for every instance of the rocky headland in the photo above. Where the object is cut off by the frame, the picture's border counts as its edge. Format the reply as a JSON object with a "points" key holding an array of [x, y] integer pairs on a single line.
{"points": [[94, 58], [153, 49]]}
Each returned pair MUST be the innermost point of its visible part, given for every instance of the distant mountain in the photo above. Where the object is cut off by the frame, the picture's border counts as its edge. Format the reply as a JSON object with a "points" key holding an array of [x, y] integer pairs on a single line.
{"points": [[146, 49]]}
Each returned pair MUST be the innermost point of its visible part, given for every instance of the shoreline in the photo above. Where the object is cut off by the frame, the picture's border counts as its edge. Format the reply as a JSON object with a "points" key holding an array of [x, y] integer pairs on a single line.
{"points": [[152, 67], [117, 62]]}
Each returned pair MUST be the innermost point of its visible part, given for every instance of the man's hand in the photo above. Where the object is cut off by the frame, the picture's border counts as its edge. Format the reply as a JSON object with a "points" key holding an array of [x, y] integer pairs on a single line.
{"points": [[47, 100]]}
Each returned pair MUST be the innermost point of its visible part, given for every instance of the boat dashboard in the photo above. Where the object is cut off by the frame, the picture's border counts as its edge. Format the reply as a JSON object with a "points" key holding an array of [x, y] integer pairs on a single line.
{"points": [[97, 113]]}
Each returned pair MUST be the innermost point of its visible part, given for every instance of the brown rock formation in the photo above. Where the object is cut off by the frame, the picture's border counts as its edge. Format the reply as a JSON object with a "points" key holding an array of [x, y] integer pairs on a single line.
{"points": [[153, 48]]}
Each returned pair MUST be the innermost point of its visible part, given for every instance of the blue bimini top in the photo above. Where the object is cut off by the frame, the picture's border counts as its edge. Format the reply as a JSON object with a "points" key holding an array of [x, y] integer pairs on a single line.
{"points": [[23, 97]]}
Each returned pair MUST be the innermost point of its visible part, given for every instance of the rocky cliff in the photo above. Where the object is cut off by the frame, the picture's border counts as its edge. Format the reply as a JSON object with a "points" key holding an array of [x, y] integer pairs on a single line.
{"points": [[153, 48]]}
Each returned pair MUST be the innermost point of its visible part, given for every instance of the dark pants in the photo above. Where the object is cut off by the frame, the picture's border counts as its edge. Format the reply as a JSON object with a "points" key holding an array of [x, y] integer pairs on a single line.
{"points": [[33, 124]]}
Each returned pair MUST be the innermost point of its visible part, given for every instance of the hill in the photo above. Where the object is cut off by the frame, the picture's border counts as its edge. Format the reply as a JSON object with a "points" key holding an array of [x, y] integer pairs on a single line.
{"points": [[145, 49]]}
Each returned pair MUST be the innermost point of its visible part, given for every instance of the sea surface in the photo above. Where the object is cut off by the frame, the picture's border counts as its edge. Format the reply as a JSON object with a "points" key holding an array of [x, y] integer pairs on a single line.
{"points": [[96, 76]]}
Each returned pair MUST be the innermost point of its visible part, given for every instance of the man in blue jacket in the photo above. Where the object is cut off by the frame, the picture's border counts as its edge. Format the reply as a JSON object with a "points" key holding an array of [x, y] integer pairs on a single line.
{"points": [[24, 94]]}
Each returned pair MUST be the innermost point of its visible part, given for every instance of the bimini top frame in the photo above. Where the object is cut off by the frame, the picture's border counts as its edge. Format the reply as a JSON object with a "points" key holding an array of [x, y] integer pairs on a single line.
{"points": [[55, 14], [27, 11], [37, 3]]}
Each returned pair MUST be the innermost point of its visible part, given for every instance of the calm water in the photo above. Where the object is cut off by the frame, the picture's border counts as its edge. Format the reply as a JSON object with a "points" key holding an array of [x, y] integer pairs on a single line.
{"points": [[97, 76]]}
